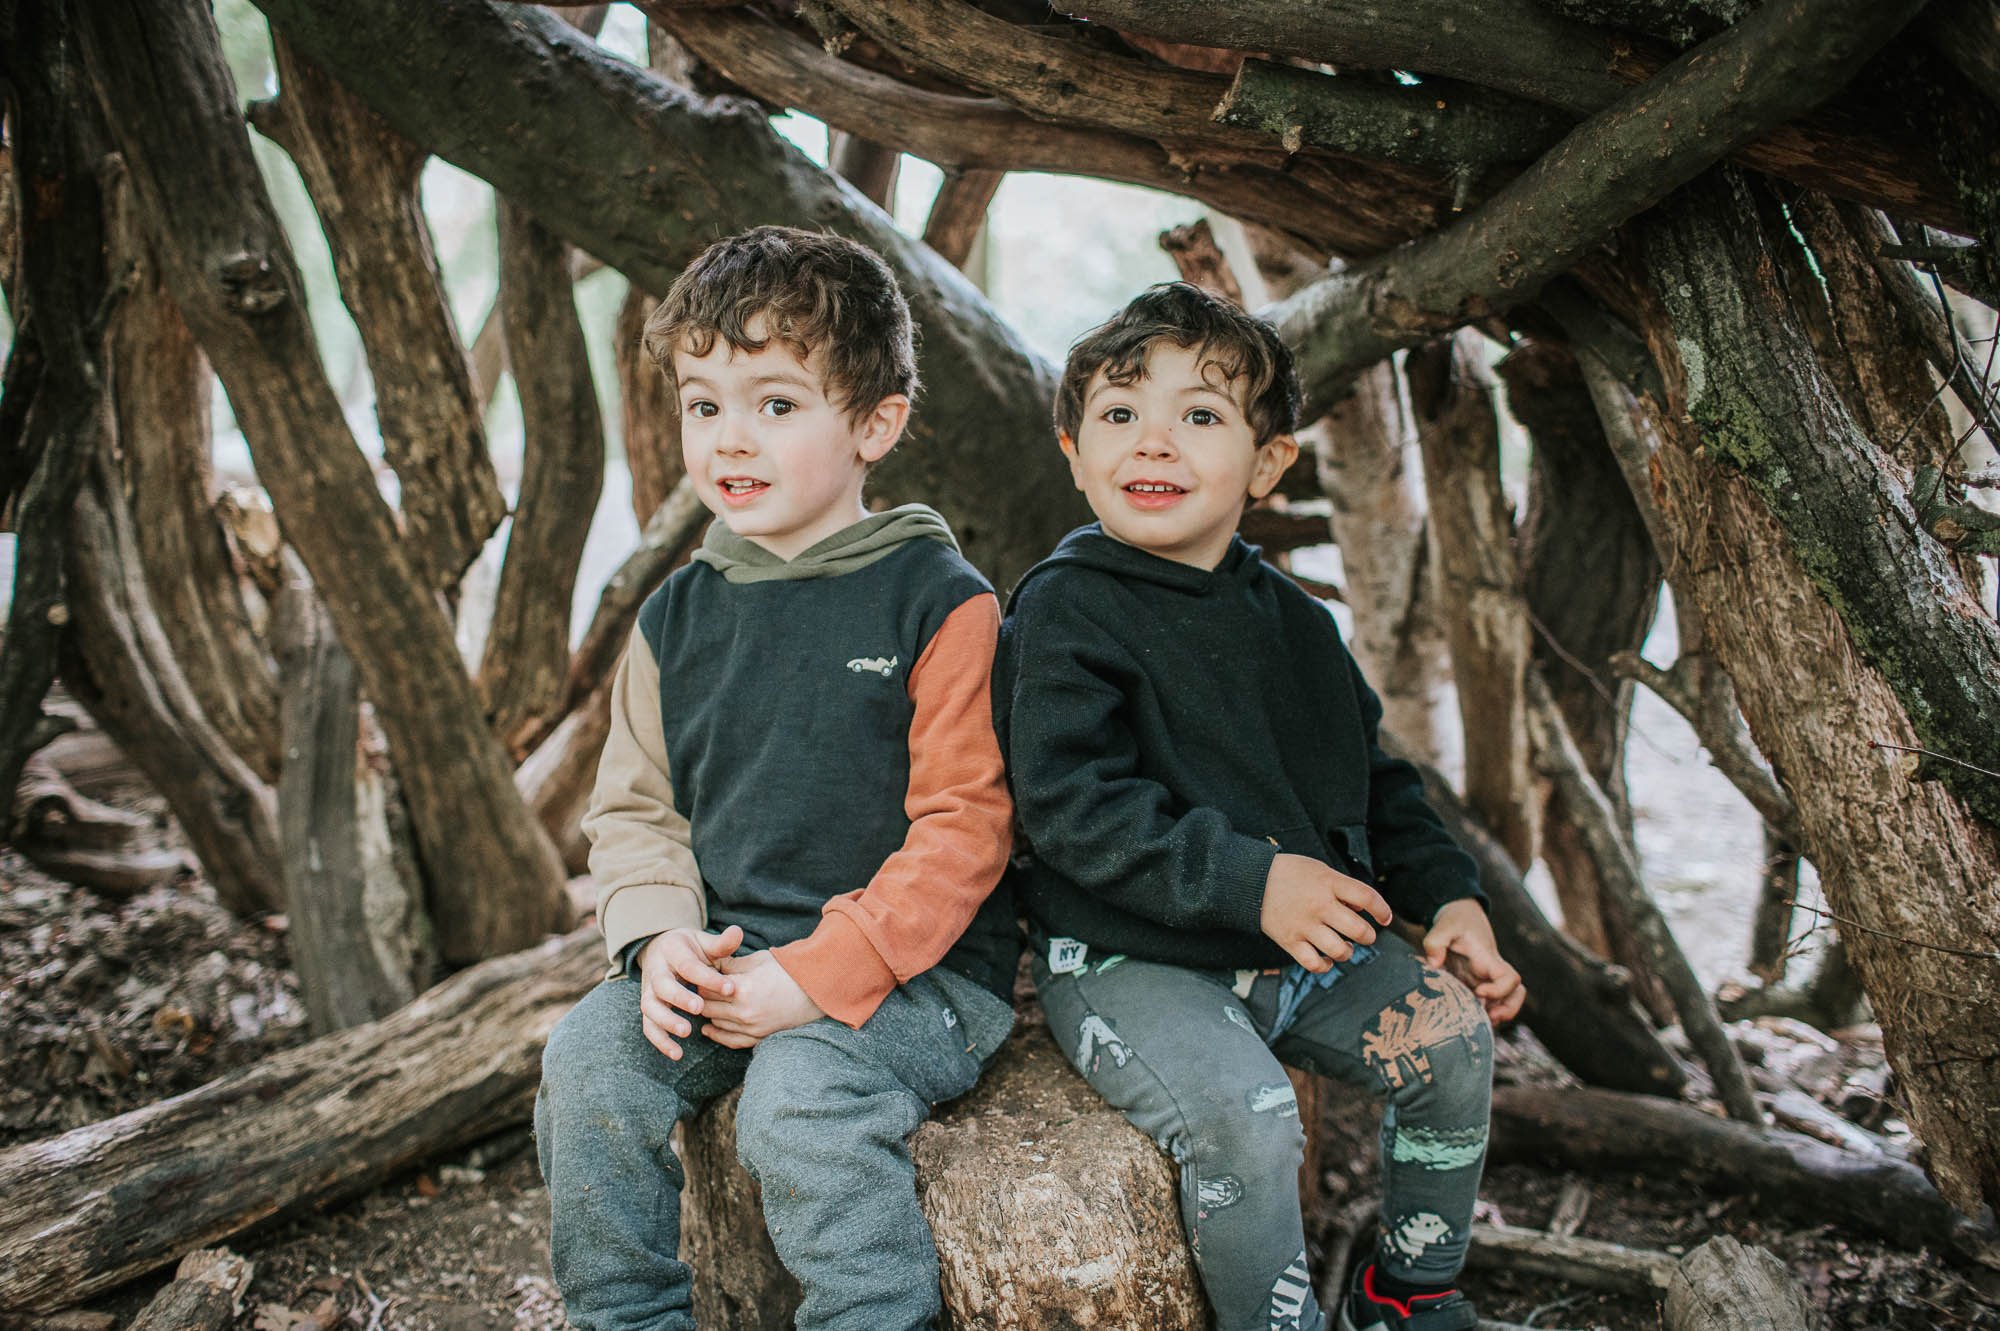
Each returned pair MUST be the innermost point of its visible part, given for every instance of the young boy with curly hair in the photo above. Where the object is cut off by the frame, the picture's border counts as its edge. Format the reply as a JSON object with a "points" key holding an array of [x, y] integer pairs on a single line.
{"points": [[797, 824], [1218, 839]]}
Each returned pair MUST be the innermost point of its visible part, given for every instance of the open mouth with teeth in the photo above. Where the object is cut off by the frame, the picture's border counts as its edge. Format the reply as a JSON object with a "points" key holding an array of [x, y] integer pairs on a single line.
{"points": [[741, 489], [1153, 494]]}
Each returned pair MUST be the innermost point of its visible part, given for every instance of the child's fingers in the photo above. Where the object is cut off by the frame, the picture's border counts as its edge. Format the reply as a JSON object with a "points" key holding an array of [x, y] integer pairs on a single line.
{"points": [[1348, 925], [1357, 894], [660, 1040], [723, 944], [1308, 956], [1330, 943], [666, 989], [656, 1010]]}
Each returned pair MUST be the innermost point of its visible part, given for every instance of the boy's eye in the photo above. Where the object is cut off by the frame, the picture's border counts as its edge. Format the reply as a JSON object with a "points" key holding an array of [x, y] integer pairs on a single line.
{"points": [[1202, 416], [779, 406], [1120, 415], [703, 408]]}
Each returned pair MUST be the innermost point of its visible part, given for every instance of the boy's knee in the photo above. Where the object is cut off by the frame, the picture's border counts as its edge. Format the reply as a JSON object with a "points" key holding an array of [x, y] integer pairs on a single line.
{"points": [[580, 1041], [1433, 1047]]}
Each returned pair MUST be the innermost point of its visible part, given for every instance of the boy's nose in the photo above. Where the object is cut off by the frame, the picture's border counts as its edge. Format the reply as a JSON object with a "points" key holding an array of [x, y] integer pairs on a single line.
{"points": [[1155, 443]]}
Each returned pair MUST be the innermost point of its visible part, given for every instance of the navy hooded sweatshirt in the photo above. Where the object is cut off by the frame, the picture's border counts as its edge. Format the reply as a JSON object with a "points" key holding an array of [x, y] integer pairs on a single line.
{"points": [[1169, 730]]}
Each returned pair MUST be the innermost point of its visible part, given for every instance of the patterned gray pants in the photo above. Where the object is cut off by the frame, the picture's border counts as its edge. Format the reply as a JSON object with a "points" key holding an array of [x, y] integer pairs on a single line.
{"points": [[1194, 1059]]}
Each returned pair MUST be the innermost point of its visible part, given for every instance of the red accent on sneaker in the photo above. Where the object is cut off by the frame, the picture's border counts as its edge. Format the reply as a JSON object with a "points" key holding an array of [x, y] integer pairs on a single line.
{"points": [[1402, 1306]]}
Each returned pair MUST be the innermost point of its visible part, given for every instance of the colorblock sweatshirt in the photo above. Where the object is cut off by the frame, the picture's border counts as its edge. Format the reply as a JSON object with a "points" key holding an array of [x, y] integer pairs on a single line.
{"points": [[1169, 730], [805, 748]]}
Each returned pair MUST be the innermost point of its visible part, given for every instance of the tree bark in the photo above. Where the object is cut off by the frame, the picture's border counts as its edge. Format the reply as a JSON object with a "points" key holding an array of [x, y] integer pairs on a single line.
{"points": [[1047, 1207], [959, 212], [118, 662], [363, 177], [358, 934], [160, 390], [1724, 1286], [1517, 47], [1903, 862], [159, 71], [206, 1294], [1592, 582], [649, 410], [562, 474], [1479, 596], [1559, 760], [1777, 63], [94, 1207], [58, 308], [631, 172], [68, 835], [1372, 473], [868, 166], [1579, 1007]]}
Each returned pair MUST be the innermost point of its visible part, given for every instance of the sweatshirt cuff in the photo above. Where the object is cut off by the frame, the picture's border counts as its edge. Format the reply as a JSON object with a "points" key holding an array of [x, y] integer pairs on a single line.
{"points": [[1246, 869], [643, 909], [839, 969]]}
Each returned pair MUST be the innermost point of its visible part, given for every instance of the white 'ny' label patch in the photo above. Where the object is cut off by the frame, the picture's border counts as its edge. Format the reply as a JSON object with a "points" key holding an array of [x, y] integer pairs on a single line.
{"points": [[1066, 955], [880, 665]]}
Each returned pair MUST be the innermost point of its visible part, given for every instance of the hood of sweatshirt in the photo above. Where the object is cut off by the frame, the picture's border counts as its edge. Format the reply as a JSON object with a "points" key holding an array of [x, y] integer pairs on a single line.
{"points": [[740, 559], [1091, 548]]}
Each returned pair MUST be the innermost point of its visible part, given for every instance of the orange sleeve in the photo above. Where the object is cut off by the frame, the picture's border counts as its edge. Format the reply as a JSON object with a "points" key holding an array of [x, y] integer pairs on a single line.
{"points": [[961, 832]]}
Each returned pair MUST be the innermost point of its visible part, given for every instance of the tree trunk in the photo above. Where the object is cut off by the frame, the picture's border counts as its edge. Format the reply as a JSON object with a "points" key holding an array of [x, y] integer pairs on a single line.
{"points": [[159, 71], [119, 664], [1592, 583], [1472, 540], [562, 474], [629, 172], [649, 411], [363, 177], [160, 387], [1724, 1286], [868, 166], [313, 1125], [1372, 474], [1897, 856], [358, 934], [1047, 1207]]}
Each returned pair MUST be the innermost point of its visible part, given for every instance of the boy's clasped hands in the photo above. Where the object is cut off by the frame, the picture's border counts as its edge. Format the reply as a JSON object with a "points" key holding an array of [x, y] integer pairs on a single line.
{"points": [[691, 972], [1317, 914]]}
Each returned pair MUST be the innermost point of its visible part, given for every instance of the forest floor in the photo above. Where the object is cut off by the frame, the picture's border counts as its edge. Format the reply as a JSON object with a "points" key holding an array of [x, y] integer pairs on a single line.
{"points": [[106, 1006]]}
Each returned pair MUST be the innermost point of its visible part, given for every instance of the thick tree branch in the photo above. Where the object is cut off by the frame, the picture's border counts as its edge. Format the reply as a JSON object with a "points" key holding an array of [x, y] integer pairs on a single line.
{"points": [[643, 174], [959, 211], [363, 177], [562, 473], [159, 70], [1516, 47], [1559, 760], [1779, 62], [1367, 209]]}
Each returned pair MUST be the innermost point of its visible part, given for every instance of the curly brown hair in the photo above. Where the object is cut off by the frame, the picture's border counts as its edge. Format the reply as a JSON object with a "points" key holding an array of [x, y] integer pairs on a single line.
{"points": [[815, 291], [1237, 346]]}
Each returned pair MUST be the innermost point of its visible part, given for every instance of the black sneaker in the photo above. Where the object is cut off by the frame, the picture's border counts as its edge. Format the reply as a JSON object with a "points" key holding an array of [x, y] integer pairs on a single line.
{"points": [[1365, 1310]]}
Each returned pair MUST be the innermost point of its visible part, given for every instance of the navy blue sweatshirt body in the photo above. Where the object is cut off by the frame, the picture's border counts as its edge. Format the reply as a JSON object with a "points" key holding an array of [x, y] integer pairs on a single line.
{"points": [[1169, 730]]}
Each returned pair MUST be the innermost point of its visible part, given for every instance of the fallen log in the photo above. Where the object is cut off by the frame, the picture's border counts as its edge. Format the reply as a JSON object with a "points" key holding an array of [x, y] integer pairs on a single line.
{"points": [[1724, 1286], [315, 1124], [1607, 1131], [1586, 1263], [70, 836]]}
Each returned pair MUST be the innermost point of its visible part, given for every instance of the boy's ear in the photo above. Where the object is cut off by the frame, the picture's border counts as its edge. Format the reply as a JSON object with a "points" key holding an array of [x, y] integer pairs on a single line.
{"points": [[883, 426], [1068, 446], [1274, 457]]}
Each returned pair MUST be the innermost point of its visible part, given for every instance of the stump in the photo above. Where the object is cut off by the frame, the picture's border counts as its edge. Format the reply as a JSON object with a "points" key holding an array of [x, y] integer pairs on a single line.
{"points": [[1724, 1286], [1048, 1208]]}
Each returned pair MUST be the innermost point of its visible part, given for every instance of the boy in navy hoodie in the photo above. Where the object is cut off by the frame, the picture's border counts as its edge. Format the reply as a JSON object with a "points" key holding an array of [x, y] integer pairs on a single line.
{"points": [[797, 824], [1218, 840]]}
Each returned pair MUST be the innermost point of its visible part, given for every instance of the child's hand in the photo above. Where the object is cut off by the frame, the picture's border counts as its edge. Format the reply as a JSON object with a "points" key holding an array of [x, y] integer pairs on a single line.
{"points": [[1461, 941], [1316, 913], [671, 967], [766, 1000]]}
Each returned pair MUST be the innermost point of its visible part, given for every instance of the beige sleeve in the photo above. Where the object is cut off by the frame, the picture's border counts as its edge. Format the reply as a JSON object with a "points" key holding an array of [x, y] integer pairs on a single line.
{"points": [[641, 852]]}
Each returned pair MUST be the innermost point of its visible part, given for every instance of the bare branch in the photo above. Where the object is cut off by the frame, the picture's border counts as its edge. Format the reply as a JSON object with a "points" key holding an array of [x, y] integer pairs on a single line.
{"points": [[959, 211], [1782, 60]]}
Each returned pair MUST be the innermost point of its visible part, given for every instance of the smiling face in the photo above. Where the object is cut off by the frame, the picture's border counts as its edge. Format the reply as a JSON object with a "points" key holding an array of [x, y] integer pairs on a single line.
{"points": [[769, 451], [1168, 460]]}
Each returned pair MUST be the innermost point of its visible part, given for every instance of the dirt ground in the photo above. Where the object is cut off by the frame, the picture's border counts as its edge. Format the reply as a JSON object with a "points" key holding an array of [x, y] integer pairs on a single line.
{"points": [[106, 1006]]}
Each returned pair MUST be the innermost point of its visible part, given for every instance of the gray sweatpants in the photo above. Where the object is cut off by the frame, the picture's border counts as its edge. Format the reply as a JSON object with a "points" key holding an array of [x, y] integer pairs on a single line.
{"points": [[1194, 1059], [821, 1126]]}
